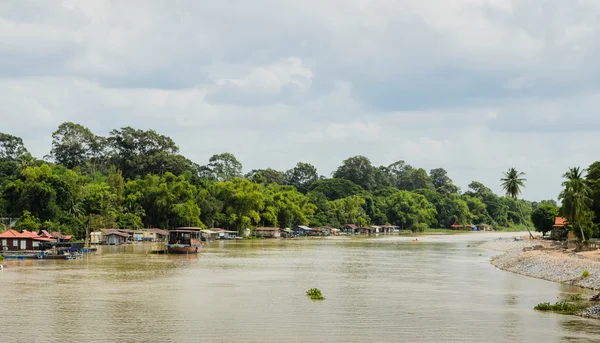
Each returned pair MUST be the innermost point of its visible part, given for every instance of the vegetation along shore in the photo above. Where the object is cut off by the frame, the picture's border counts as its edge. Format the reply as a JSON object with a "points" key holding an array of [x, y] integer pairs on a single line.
{"points": [[135, 179]]}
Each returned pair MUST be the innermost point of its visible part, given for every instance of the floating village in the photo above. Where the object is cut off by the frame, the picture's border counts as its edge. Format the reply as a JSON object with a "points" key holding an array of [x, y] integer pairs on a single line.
{"points": [[182, 240]]}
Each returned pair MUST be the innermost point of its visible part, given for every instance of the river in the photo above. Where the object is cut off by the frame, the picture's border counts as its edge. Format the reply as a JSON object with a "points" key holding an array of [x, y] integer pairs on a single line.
{"points": [[383, 289]]}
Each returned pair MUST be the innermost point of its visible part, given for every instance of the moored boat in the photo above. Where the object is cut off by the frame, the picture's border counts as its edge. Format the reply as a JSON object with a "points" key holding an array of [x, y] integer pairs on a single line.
{"points": [[185, 240]]}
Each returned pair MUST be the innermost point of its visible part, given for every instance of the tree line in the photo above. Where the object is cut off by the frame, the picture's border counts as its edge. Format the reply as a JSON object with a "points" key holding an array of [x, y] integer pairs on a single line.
{"points": [[137, 178]]}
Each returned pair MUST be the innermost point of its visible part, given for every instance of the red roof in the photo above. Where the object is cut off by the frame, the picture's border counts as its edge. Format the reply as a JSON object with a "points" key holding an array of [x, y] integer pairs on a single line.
{"points": [[10, 234], [24, 234], [560, 221]]}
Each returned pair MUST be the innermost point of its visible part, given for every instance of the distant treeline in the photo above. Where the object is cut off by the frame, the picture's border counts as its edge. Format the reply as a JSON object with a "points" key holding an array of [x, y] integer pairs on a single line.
{"points": [[135, 178]]}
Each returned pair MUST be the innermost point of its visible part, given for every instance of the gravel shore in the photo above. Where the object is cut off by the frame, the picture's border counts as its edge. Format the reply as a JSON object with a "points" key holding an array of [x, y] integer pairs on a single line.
{"points": [[544, 264], [511, 244], [591, 312], [537, 259]]}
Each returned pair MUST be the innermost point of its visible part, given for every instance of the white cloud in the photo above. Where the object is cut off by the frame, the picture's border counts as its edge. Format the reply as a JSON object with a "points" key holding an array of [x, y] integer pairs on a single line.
{"points": [[273, 78], [474, 86]]}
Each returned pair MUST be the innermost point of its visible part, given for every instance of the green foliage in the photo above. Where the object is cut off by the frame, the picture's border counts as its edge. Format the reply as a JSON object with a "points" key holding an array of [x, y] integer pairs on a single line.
{"points": [[575, 297], [410, 211], [562, 307], [11, 148], [315, 294], [28, 222], [543, 218], [135, 178], [576, 201], [302, 176], [585, 273], [225, 167]]}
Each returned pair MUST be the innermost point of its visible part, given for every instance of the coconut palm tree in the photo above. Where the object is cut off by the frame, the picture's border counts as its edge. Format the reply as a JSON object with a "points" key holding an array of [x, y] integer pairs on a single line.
{"points": [[575, 197], [512, 182]]}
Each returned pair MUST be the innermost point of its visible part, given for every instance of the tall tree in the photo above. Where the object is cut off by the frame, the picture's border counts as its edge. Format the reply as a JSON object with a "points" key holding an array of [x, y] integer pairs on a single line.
{"points": [[593, 181], [302, 176], [11, 147], [138, 152], [266, 176], [442, 183], [359, 170], [512, 182], [73, 145], [336, 188], [225, 166], [575, 198], [543, 218]]}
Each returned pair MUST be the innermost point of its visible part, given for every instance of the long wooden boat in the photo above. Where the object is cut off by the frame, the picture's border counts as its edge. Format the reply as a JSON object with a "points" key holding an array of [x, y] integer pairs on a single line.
{"points": [[186, 240]]}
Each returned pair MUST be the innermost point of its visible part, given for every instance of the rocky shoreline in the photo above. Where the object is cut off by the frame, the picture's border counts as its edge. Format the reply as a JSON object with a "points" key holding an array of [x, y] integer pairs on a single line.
{"points": [[543, 261], [540, 260]]}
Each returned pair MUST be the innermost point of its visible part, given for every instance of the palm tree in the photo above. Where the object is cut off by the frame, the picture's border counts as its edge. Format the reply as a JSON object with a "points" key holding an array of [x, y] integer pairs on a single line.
{"points": [[512, 182], [574, 197]]}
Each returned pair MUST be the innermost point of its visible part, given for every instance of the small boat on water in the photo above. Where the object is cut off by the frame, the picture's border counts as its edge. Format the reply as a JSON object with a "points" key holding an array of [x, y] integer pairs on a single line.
{"points": [[185, 240]]}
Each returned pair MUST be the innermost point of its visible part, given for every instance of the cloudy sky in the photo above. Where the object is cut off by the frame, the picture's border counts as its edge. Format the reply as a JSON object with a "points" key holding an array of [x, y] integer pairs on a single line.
{"points": [[474, 86]]}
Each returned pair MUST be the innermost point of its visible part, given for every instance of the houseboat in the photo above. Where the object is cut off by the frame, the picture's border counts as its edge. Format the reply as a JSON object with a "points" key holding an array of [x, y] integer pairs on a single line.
{"points": [[185, 240]]}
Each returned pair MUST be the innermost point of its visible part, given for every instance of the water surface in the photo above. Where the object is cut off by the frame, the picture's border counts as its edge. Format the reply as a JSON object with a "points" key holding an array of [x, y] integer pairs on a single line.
{"points": [[384, 289]]}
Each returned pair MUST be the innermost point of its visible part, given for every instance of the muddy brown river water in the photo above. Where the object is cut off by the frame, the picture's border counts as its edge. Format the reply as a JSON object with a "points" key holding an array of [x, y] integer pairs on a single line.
{"points": [[383, 289]]}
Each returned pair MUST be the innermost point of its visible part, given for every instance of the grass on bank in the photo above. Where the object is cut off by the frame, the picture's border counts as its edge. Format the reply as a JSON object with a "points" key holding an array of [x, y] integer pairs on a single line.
{"points": [[562, 307]]}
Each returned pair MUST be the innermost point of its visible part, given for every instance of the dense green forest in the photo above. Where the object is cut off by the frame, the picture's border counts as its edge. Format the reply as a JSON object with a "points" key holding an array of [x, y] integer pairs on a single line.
{"points": [[136, 178]]}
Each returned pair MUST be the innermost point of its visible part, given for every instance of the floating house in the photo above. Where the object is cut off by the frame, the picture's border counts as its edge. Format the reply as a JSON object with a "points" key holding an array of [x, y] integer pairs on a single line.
{"points": [[13, 240], [155, 235], [225, 234], [96, 237], [351, 228], [114, 237], [148, 235], [303, 230], [208, 235], [287, 233], [267, 232], [55, 236]]}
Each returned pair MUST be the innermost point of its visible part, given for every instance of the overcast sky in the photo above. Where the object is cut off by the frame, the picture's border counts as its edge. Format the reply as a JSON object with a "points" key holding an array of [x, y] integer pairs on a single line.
{"points": [[473, 86]]}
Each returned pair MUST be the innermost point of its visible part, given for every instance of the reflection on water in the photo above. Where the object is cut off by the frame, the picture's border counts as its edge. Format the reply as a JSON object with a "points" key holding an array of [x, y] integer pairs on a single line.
{"points": [[378, 290]]}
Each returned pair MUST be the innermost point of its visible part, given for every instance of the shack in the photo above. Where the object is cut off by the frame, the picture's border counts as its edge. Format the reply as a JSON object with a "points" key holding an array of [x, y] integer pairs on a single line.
{"points": [[287, 233], [302, 230], [225, 234], [115, 237], [96, 237], [267, 232], [154, 235], [351, 228], [559, 230]]}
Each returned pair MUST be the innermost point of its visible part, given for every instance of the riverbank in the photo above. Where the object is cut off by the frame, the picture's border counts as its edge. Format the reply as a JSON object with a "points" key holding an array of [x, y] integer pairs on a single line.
{"points": [[541, 260]]}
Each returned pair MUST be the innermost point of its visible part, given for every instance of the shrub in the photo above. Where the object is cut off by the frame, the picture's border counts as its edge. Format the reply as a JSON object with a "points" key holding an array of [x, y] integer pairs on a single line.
{"points": [[315, 294], [562, 307], [575, 297], [585, 273]]}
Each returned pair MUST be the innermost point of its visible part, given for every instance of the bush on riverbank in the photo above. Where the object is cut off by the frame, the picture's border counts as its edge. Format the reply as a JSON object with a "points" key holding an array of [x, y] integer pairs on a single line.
{"points": [[561, 307]]}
